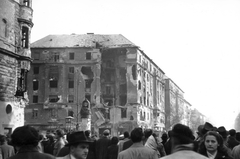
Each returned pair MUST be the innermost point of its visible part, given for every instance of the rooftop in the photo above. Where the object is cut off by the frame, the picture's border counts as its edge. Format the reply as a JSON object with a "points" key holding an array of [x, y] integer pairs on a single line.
{"points": [[83, 40]]}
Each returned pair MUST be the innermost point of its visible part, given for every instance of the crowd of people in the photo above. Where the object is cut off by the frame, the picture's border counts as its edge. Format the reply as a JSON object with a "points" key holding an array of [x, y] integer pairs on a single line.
{"points": [[179, 143]]}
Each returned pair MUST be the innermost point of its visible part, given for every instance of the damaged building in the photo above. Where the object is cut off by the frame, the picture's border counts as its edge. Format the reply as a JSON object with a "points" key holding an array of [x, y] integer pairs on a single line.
{"points": [[15, 58], [124, 86]]}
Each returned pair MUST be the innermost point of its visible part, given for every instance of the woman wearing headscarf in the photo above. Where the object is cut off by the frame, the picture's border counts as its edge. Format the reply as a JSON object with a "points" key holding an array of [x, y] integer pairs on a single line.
{"points": [[212, 146]]}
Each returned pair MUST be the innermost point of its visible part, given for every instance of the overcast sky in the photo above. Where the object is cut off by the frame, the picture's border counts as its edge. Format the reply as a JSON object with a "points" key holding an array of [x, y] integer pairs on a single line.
{"points": [[195, 42]]}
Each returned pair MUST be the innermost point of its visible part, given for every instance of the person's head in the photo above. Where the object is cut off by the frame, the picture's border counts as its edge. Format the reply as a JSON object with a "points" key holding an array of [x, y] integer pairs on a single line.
{"points": [[106, 132], [206, 127], [238, 136], [212, 142], [114, 140], [126, 134], [3, 139], [88, 133], [137, 135], [147, 133], [59, 133], [164, 137], [50, 137], [181, 134], [232, 132], [78, 145], [223, 132], [25, 136]]}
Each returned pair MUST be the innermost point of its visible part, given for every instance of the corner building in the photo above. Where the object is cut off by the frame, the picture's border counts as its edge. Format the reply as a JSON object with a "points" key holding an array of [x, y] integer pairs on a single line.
{"points": [[125, 87], [15, 58]]}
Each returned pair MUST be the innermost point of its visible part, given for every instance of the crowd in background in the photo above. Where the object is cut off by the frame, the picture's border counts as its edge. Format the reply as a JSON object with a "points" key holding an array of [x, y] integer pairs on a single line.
{"points": [[210, 142]]}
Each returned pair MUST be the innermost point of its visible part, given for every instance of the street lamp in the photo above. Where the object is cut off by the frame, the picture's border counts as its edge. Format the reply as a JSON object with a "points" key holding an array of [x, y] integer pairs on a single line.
{"points": [[68, 121]]}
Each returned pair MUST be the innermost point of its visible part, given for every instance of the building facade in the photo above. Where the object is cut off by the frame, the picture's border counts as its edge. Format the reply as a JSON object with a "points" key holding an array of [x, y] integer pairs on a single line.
{"points": [[187, 110], [174, 103], [15, 58], [124, 87]]}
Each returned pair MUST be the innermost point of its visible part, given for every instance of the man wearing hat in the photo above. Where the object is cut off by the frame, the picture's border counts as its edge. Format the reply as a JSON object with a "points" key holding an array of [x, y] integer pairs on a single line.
{"points": [[25, 139], [78, 145], [102, 145]]}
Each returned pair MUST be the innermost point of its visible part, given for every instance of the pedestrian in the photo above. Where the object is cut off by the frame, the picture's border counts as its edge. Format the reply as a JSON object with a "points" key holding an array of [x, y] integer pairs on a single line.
{"points": [[112, 151], [213, 146], [152, 144], [182, 144], [224, 133], [78, 145], [7, 150], [232, 141], [25, 139], [60, 142], [137, 150], [102, 145], [126, 138], [49, 144]]}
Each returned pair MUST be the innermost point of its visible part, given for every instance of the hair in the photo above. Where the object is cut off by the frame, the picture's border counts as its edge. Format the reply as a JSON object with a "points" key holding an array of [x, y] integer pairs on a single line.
{"points": [[60, 132], [164, 137], [232, 132], [114, 140], [87, 133], [202, 148], [147, 133], [181, 134], [3, 138], [126, 134], [137, 135]]}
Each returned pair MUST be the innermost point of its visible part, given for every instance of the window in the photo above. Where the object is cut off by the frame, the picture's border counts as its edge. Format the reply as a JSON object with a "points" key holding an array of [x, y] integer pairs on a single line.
{"points": [[108, 90], [71, 56], [70, 84], [88, 97], [4, 28], [53, 83], [88, 83], [70, 98], [35, 113], [22, 82], [123, 100], [70, 113], [88, 55], [55, 56], [123, 113], [139, 85], [53, 113], [36, 56], [53, 98], [71, 70], [36, 70], [25, 37], [26, 3], [35, 85], [35, 99]]}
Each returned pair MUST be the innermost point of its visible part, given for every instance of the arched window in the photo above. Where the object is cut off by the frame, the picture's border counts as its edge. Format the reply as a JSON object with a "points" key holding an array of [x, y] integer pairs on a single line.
{"points": [[4, 28]]}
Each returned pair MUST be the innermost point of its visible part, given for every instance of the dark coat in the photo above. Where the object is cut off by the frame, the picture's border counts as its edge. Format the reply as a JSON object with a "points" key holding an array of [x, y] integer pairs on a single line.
{"points": [[232, 142], [31, 153], [112, 152], [219, 156], [63, 152], [127, 144], [92, 150], [101, 147], [7, 150]]}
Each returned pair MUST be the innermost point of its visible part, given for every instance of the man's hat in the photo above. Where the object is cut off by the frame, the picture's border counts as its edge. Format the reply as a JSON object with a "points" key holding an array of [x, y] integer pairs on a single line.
{"points": [[77, 137], [207, 127], [106, 132], [222, 131]]}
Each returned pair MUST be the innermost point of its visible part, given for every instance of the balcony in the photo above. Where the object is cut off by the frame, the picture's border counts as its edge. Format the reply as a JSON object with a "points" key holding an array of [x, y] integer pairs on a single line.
{"points": [[25, 15]]}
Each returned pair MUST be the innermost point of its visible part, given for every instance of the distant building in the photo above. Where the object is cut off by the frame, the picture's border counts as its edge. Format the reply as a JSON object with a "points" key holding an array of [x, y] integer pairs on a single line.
{"points": [[174, 103], [15, 58], [124, 86], [187, 109]]}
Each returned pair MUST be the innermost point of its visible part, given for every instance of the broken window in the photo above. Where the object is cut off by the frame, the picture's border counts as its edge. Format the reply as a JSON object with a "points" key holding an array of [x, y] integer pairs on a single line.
{"points": [[3, 28], [36, 56], [108, 90], [26, 3], [71, 70], [70, 113], [53, 83], [35, 113], [123, 113], [134, 72], [139, 85], [88, 97], [36, 70], [53, 98], [88, 55], [70, 84], [35, 99], [88, 83], [35, 85], [21, 82], [70, 98], [71, 56], [123, 100], [86, 70], [25, 37]]}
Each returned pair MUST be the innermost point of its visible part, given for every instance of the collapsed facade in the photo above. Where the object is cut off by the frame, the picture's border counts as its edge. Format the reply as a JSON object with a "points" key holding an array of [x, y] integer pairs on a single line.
{"points": [[15, 58], [124, 86]]}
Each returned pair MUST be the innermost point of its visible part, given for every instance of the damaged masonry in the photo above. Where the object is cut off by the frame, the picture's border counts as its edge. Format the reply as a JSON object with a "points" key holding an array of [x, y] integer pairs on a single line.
{"points": [[124, 87]]}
